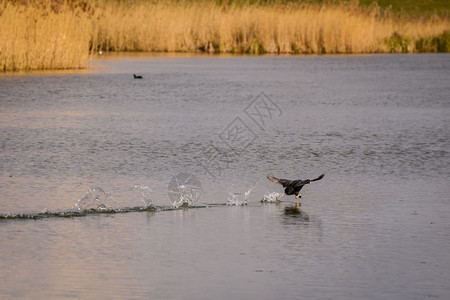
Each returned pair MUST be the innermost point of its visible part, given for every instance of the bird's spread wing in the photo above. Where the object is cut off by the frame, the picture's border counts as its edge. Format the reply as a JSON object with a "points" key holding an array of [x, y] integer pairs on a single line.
{"points": [[318, 178], [283, 182]]}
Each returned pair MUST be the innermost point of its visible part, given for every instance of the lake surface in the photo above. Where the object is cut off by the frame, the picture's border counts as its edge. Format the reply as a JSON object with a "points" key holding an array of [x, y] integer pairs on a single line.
{"points": [[94, 166]]}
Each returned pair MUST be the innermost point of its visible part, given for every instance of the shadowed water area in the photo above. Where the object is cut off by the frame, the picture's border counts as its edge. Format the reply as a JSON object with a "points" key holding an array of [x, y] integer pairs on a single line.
{"points": [[119, 188]]}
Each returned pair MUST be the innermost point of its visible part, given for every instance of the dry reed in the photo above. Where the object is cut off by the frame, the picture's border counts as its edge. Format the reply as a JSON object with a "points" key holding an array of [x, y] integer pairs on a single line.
{"points": [[33, 37], [204, 26], [40, 36]]}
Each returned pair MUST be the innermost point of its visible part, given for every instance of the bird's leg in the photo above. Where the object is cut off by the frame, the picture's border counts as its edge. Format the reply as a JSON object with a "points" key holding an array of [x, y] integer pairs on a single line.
{"points": [[279, 197], [298, 196]]}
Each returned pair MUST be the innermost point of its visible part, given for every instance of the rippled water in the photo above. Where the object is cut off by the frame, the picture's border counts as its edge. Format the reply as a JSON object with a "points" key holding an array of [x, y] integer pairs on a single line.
{"points": [[376, 227]]}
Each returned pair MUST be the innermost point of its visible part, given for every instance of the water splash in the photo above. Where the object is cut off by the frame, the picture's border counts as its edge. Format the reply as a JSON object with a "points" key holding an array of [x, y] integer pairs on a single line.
{"points": [[145, 194], [238, 198], [271, 197], [184, 189], [185, 196], [95, 199]]}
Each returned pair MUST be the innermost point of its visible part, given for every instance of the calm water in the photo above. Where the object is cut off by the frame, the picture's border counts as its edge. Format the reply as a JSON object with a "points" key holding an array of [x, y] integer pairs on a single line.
{"points": [[376, 227]]}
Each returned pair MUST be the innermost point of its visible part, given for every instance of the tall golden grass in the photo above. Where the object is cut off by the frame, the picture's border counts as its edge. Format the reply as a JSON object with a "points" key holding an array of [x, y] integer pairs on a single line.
{"points": [[54, 34], [37, 37]]}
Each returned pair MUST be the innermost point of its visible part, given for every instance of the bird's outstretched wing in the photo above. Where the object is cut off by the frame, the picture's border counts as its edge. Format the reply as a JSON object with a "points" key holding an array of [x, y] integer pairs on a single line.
{"points": [[318, 178], [283, 182]]}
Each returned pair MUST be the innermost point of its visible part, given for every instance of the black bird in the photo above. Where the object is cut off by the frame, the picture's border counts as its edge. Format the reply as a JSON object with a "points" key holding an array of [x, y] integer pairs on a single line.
{"points": [[293, 187], [137, 76]]}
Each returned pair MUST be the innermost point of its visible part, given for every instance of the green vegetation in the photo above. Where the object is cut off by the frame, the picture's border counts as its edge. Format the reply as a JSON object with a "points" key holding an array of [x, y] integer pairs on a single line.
{"points": [[408, 7], [437, 44], [413, 7]]}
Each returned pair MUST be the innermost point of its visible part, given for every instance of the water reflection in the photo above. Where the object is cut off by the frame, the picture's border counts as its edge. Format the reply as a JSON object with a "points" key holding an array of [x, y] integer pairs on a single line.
{"points": [[296, 213]]}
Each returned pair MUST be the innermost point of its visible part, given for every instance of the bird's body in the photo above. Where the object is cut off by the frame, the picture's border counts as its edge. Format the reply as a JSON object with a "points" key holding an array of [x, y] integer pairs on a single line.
{"points": [[137, 76], [293, 187]]}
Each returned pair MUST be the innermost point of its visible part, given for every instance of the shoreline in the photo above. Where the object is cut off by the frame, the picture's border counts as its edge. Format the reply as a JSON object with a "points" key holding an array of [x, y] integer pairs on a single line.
{"points": [[95, 65]]}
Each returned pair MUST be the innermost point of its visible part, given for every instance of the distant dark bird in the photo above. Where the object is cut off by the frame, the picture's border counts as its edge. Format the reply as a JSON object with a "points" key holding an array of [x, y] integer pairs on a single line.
{"points": [[292, 187], [137, 76]]}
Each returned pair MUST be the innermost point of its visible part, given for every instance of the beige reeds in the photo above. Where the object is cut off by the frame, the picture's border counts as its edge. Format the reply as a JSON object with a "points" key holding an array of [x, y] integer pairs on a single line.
{"points": [[42, 37], [37, 37], [204, 26]]}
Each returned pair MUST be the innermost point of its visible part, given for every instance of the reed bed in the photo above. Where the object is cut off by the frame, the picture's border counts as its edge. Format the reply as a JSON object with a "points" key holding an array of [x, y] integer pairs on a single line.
{"points": [[257, 29], [53, 34], [37, 37]]}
